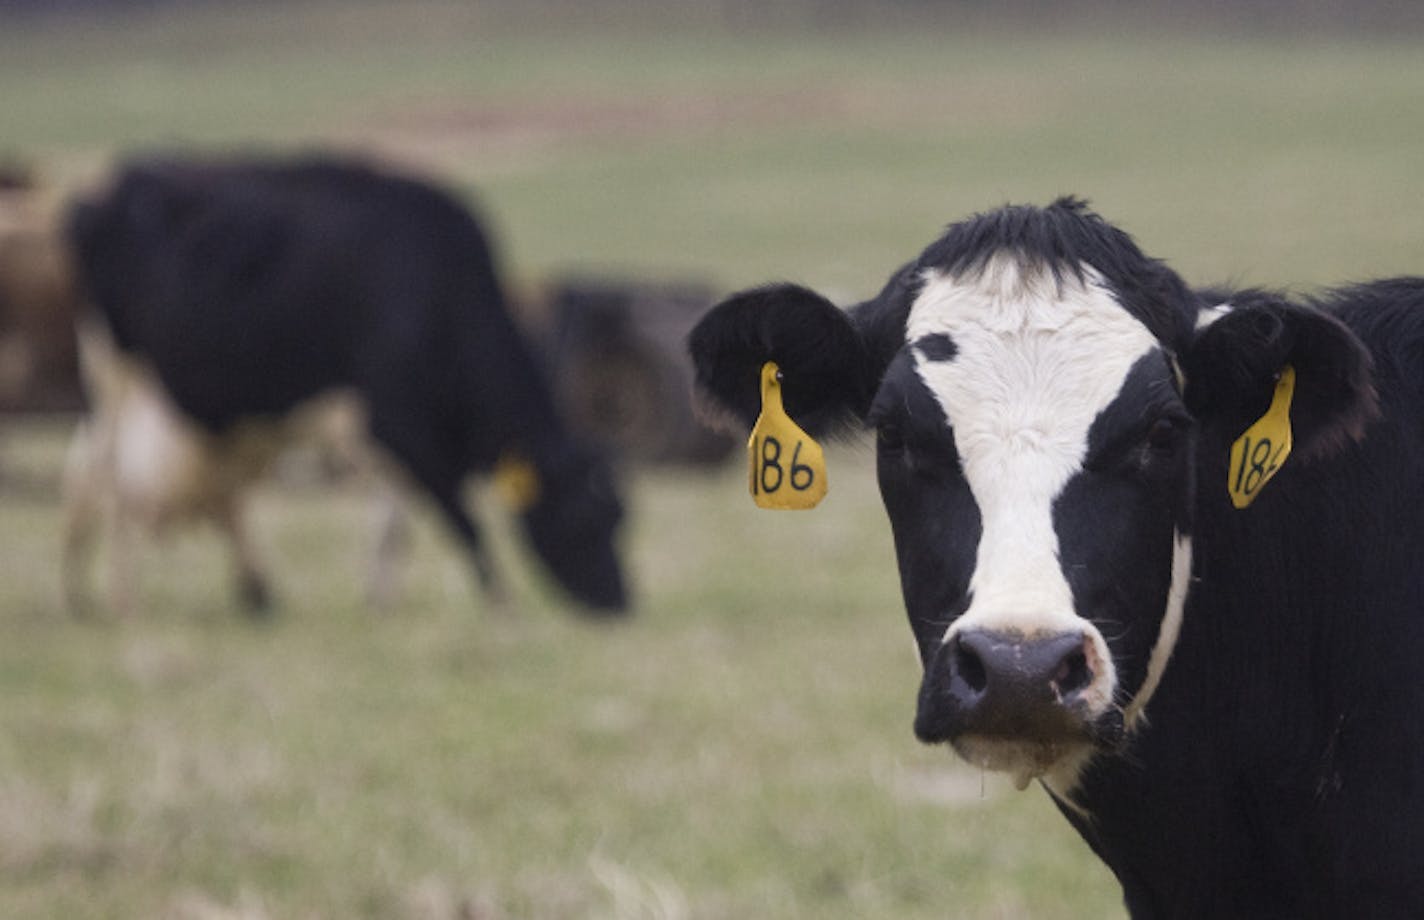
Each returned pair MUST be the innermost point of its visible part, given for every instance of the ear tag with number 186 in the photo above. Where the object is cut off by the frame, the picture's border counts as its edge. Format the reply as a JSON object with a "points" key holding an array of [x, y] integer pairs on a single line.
{"points": [[1262, 449], [786, 468]]}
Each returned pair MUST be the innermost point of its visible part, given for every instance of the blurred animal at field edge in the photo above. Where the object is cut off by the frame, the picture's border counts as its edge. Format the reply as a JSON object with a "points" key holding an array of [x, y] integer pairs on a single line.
{"points": [[240, 296]]}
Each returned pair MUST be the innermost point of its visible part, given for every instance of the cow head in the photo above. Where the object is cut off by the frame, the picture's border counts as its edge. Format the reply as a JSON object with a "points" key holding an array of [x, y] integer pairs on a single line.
{"points": [[1044, 397], [570, 515]]}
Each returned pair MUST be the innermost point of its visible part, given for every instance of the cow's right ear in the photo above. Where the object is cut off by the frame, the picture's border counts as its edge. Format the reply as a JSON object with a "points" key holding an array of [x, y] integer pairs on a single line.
{"points": [[828, 378], [1232, 365]]}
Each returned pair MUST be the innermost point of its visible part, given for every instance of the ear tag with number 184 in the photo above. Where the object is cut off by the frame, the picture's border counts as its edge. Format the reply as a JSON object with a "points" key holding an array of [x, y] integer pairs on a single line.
{"points": [[786, 468], [1262, 449]]}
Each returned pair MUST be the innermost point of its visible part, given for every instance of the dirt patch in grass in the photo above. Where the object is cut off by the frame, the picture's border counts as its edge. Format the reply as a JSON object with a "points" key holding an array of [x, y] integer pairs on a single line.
{"points": [[506, 135], [511, 135]]}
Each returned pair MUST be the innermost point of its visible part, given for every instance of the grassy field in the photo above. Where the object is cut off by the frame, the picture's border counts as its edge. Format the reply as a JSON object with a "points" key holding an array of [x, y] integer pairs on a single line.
{"points": [[742, 747]]}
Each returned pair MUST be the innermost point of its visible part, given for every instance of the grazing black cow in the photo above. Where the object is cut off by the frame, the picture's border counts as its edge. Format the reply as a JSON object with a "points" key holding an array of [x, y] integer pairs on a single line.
{"points": [[251, 287], [1059, 423]]}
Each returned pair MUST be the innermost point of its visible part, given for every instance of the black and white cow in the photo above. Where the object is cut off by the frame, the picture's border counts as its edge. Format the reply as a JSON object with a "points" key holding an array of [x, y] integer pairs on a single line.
{"points": [[249, 288], [1055, 414]]}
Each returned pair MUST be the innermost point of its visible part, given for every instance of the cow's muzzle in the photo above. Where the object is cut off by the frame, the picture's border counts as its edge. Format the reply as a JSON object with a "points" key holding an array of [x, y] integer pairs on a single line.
{"points": [[1003, 697]]}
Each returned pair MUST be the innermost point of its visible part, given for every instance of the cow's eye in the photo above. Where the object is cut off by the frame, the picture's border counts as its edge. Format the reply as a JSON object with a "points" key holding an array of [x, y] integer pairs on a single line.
{"points": [[1164, 434]]}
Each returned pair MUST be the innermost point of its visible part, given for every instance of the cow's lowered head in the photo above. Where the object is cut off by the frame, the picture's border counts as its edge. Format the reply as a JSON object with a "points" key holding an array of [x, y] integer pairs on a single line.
{"points": [[570, 510], [1051, 409]]}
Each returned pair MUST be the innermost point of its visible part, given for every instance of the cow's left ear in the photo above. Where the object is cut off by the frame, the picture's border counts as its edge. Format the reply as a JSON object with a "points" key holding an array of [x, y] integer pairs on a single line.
{"points": [[1232, 364], [828, 378]]}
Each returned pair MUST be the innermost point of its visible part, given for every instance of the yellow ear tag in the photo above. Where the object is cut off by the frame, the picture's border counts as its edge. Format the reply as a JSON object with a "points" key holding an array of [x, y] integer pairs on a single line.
{"points": [[786, 469], [517, 482], [1262, 449]]}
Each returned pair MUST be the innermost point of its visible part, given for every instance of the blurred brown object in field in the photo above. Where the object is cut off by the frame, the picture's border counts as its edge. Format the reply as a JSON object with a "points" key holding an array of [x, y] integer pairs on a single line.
{"points": [[39, 362], [618, 360]]}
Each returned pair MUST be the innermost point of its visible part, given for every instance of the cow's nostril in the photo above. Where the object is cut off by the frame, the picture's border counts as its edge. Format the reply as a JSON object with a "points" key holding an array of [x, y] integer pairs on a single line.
{"points": [[970, 667], [1072, 674]]}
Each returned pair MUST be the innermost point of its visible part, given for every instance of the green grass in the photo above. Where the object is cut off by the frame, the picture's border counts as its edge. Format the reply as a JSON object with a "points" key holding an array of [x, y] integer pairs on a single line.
{"points": [[742, 747]]}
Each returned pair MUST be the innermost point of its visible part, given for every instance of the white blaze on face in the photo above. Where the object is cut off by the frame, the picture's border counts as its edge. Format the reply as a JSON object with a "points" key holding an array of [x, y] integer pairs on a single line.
{"points": [[1037, 358]]}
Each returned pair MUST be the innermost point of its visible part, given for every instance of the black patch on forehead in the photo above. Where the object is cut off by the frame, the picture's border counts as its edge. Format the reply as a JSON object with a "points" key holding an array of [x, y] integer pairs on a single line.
{"points": [[1062, 238], [936, 347]]}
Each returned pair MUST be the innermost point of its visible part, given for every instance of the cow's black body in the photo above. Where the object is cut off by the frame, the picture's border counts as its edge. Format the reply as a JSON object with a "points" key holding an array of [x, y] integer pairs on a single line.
{"points": [[1281, 772], [251, 286], [1277, 769]]}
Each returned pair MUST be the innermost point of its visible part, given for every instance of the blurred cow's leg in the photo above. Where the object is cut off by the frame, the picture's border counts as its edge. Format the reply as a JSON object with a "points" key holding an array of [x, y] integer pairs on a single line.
{"points": [[253, 589], [413, 441], [392, 546], [83, 513]]}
